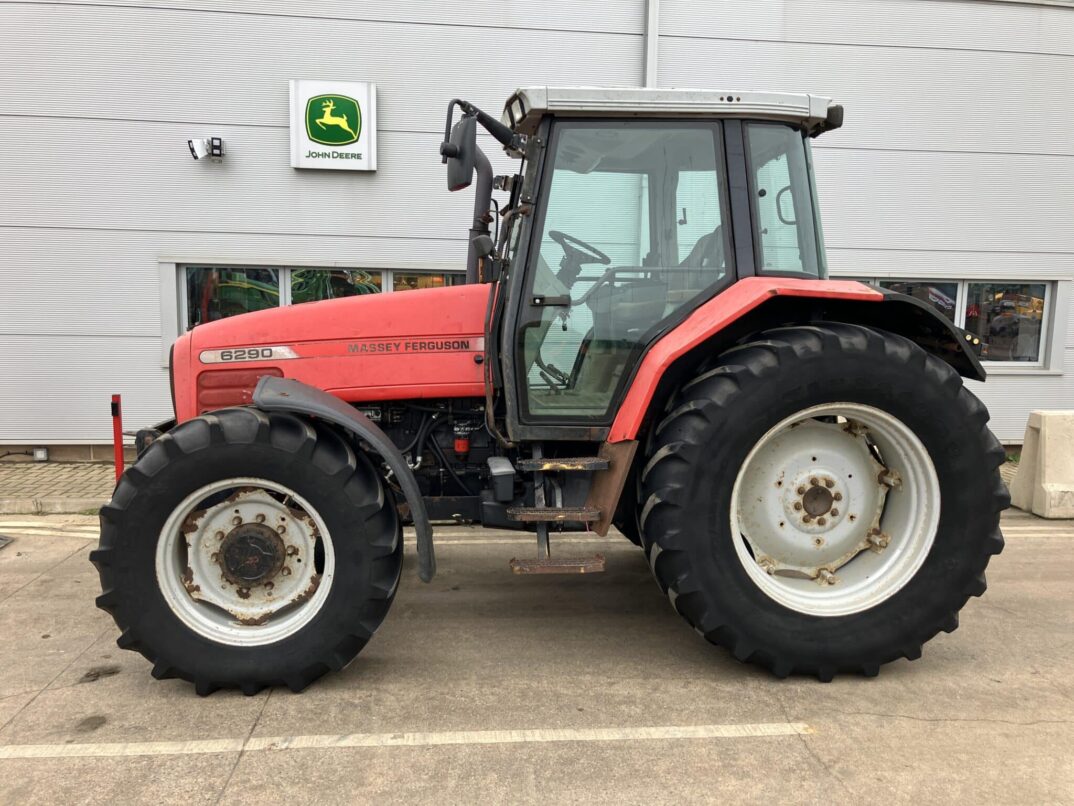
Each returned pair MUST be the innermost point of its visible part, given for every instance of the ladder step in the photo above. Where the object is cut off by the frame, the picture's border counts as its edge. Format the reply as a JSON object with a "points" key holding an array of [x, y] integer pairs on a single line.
{"points": [[560, 565], [552, 514], [551, 464]]}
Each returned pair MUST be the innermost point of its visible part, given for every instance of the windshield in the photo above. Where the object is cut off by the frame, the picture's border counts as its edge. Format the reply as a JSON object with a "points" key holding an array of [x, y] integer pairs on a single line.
{"points": [[786, 232]]}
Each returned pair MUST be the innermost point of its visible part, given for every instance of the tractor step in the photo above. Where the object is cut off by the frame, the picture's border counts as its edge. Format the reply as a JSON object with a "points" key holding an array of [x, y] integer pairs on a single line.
{"points": [[552, 514], [559, 565], [552, 464]]}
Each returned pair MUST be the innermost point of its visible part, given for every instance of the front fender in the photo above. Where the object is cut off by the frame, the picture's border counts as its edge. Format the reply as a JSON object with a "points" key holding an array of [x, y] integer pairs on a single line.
{"points": [[286, 394]]}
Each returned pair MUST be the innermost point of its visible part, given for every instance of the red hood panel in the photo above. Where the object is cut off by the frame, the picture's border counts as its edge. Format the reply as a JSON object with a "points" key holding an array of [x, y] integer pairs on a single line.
{"points": [[412, 344]]}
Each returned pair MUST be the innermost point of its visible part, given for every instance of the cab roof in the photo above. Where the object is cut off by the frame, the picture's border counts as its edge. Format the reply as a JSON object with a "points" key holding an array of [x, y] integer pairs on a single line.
{"points": [[525, 108]]}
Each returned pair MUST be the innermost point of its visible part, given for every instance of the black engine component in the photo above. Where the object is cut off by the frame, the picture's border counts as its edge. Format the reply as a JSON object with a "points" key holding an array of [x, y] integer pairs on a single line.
{"points": [[444, 441]]}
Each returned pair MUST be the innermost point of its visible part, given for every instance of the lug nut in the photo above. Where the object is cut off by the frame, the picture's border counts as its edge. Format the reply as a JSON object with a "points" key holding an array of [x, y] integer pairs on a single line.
{"points": [[219, 535], [807, 517], [834, 512], [829, 483], [837, 496], [814, 481], [260, 519], [798, 505], [281, 528], [801, 491], [821, 521], [879, 540], [236, 520], [826, 577]]}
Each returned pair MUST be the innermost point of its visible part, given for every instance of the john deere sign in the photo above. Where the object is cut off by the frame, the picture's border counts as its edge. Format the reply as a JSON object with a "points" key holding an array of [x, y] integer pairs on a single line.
{"points": [[333, 125]]}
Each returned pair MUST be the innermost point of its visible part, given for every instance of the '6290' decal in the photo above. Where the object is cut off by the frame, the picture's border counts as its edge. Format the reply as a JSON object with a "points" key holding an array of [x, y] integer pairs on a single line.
{"points": [[234, 354]]}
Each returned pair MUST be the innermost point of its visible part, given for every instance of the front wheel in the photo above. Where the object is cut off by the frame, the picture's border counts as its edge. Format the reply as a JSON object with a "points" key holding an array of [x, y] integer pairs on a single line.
{"points": [[824, 499], [246, 550]]}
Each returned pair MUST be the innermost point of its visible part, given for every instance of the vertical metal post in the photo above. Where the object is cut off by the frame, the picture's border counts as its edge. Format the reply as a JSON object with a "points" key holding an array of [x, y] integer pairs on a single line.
{"points": [[652, 43], [117, 434], [543, 547]]}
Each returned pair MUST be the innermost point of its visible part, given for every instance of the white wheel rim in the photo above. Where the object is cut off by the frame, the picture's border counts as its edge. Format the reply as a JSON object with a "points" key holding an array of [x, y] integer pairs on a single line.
{"points": [[243, 571], [821, 524]]}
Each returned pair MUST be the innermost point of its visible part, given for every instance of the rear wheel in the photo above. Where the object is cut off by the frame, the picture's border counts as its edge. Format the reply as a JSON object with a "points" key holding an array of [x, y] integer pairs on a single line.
{"points": [[246, 549], [824, 499]]}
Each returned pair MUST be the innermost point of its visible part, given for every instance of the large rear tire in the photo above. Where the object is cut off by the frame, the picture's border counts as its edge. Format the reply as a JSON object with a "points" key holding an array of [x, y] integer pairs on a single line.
{"points": [[247, 549], [824, 499]]}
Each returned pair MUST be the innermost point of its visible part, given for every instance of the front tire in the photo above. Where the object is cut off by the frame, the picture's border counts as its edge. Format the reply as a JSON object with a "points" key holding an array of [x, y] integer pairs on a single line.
{"points": [[247, 549], [824, 499]]}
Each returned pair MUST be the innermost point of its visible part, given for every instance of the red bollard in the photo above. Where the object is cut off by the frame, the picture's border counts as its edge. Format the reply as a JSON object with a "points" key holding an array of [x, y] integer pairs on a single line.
{"points": [[117, 434]]}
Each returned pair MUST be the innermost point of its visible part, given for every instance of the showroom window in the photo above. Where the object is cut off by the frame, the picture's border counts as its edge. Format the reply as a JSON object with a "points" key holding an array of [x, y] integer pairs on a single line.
{"points": [[208, 293], [1010, 318]]}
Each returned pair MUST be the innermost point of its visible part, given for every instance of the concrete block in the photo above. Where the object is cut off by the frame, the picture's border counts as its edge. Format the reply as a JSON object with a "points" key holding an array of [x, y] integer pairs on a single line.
{"points": [[1044, 484]]}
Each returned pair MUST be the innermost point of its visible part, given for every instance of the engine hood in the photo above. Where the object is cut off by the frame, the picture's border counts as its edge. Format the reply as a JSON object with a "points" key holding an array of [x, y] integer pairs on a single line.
{"points": [[412, 344]]}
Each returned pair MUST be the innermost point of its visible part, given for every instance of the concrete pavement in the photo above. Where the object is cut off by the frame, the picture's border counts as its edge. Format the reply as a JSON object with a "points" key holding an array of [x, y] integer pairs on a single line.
{"points": [[582, 664], [35, 488]]}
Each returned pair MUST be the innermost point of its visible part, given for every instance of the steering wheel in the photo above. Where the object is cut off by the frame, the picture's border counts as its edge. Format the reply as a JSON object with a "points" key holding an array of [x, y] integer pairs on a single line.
{"points": [[578, 249]]}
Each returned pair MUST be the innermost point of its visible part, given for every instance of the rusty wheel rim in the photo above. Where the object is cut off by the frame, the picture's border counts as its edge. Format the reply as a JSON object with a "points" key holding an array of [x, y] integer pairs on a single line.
{"points": [[245, 561]]}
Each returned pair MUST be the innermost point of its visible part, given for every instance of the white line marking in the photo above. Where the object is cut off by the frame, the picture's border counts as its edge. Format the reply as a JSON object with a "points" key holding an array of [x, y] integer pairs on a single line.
{"points": [[38, 533], [510, 541], [50, 524], [469, 737]]}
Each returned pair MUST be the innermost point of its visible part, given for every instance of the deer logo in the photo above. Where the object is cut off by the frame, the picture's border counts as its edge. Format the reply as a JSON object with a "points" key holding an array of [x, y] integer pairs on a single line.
{"points": [[333, 120], [328, 119]]}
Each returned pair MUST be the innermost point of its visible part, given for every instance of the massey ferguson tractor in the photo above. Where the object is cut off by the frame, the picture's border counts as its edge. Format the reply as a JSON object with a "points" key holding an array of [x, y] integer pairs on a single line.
{"points": [[646, 339]]}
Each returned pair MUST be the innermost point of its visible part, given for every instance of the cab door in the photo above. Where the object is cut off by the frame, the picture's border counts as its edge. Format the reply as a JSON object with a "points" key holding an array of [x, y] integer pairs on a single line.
{"points": [[632, 232]]}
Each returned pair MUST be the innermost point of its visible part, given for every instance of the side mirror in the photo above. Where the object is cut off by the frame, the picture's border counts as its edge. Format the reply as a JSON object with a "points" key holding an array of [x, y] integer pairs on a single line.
{"points": [[459, 152]]}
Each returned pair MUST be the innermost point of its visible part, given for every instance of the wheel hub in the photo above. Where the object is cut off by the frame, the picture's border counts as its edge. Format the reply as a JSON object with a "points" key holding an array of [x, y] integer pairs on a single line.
{"points": [[817, 501], [251, 554], [828, 501]]}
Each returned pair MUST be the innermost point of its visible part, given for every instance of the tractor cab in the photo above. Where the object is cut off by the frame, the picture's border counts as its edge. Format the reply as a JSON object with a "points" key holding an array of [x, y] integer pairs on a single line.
{"points": [[632, 208]]}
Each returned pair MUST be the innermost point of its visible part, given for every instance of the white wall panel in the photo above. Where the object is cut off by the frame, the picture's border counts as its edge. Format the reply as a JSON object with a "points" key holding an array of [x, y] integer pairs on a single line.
{"points": [[920, 264], [944, 24], [978, 202], [170, 65], [64, 385], [620, 16], [155, 184]]}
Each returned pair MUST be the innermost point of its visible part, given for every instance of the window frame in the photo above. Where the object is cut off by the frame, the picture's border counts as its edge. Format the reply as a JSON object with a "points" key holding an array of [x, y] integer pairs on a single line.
{"points": [[1046, 364], [1044, 350]]}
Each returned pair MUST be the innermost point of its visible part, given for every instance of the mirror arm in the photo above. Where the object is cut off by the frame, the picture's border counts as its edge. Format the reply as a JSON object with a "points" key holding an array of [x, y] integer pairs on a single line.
{"points": [[482, 202], [447, 149]]}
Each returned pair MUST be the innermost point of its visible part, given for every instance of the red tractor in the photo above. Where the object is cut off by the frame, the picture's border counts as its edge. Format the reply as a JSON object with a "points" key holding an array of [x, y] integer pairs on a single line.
{"points": [[645, 339]]}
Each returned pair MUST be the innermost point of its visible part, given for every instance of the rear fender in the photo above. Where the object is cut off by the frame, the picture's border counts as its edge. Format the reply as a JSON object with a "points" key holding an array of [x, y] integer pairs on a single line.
{"points": [[286, 394], [755, 304]]}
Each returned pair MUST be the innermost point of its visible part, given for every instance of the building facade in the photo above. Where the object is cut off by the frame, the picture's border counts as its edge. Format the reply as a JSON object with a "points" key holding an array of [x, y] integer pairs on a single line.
{"points": [[951, 180]]}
